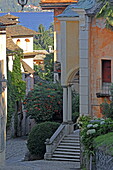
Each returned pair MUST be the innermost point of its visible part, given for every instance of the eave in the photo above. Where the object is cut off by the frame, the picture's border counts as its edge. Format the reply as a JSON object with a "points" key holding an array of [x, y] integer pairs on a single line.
{"points": [[54, 5]]}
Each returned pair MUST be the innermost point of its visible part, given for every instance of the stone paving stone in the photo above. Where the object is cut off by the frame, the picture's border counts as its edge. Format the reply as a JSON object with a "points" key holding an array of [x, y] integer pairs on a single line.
{"points": [[16, 149]]}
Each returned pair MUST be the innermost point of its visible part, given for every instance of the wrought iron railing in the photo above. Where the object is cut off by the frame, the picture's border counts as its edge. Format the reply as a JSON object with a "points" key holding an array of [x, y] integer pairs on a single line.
{"points": [[103, 89]]}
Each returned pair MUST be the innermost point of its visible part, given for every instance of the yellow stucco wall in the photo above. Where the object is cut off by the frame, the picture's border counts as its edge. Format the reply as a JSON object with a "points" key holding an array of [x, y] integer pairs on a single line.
{"points": [[72, 46]]}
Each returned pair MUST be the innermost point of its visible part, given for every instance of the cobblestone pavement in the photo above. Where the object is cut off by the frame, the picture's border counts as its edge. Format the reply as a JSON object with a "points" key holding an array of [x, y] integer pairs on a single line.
{"points": [[16, 149]]}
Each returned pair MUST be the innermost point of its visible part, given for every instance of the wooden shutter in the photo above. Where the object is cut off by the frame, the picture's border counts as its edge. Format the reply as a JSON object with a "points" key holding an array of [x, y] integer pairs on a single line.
{"points": [[106, 71]]}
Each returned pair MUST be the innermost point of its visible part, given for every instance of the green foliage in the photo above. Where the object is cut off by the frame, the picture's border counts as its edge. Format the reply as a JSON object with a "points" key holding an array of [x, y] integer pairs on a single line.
{"points": [[16, 86], [47, 73], [49, 66], [107, 109], [106, 12], [44, 101], [44, 39], [104, 144], [93, 129], [38, 136], [83, 121], [75, 105]]}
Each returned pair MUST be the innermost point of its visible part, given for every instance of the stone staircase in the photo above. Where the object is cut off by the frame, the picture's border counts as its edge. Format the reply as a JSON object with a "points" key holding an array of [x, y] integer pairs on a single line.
{"points": [[68, 149]]}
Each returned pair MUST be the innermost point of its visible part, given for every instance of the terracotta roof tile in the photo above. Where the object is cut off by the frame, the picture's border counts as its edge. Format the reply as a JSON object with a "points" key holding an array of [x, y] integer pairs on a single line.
{"points": [[9, 16], [35, 52], [6, 21], [26, 67], [18, 30], [11, 46]]}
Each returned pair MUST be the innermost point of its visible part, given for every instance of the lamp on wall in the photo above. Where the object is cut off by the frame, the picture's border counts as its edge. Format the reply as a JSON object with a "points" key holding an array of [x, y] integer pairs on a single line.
{"points": [[3, 84], [22, 3]]}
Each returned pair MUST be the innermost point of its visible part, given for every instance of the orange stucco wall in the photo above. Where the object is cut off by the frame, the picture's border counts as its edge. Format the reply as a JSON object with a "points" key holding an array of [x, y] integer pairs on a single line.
{"points": [[101, 47]]}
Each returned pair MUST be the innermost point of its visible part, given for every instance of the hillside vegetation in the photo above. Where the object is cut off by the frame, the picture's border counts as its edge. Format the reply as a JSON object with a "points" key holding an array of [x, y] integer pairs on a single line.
{"points": [[12, 5]]}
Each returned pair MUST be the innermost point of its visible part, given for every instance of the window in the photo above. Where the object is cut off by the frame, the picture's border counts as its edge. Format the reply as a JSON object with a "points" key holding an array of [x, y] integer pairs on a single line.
{"points": [[18, 42], [106, 71], [27, 44]]}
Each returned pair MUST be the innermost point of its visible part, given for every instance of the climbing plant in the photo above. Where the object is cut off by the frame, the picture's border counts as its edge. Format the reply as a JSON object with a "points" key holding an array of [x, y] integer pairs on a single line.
{"points": [[16, 86]]}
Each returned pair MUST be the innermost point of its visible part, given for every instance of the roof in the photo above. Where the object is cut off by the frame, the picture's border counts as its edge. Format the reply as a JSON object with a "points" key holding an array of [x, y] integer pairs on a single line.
{"points": [[51, 4], [68, 12], [11, 46], [41, 51], [6, 21], [34, 53], [90, 6], [26, 67], [9, 16], [19, 30]]}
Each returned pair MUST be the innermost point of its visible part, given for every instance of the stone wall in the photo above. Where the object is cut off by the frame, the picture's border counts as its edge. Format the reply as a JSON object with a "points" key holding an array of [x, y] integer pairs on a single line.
{"points": [[103, 161]]}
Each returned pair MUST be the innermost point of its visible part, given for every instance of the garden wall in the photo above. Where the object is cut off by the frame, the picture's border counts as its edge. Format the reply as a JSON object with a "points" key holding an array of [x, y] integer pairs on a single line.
{"points": [[103, 161]]}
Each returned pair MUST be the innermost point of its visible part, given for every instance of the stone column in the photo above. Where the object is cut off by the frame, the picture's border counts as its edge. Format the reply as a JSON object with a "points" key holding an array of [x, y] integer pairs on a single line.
{"points": [[65, 104], [84, 64], [69, 104]]}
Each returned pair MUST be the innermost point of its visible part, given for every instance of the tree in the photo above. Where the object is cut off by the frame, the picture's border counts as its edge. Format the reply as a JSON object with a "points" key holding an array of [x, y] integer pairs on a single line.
{"points": [[106, 12], [44, 39], [47, 73]]}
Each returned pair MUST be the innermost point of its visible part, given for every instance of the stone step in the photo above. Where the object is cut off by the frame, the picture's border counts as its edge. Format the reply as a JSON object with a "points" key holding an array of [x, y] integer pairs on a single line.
{"points": [[67, 152], [73, 135], [69, 147], [70, 141], [71, 138], [65, 159], [67, 156], [70, 144]]}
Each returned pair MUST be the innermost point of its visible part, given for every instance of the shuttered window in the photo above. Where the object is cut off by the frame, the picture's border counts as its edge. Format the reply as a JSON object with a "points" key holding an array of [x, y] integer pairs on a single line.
{"points": [[106, 71]]}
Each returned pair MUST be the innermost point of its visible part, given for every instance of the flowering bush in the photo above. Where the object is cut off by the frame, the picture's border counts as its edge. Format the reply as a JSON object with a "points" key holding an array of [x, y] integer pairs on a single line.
{"points": [[44, 102], [92, 129]]}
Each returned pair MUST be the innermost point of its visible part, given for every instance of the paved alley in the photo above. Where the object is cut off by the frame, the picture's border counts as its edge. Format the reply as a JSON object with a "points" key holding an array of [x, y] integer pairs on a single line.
{"points": [[15, 152]]}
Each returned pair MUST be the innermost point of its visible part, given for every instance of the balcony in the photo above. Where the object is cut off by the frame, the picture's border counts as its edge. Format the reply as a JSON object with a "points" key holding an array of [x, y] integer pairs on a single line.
{"points": [[105, 90]]}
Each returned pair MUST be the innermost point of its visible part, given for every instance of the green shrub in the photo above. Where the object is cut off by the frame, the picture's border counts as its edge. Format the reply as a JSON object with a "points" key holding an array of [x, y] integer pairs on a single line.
{"points": [[93, 129], [104, 144], [38, 136]]}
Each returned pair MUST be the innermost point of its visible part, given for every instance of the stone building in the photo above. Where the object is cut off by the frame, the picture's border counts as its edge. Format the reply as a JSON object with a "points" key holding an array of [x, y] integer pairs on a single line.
{"points": [[82, 45]]}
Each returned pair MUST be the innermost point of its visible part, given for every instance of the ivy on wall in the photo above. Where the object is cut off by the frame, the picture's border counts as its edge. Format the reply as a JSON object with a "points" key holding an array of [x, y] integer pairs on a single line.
{"points": [[16, 86]]}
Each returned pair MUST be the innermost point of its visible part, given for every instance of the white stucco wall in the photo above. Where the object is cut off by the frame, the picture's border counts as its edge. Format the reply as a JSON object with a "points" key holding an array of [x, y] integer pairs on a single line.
{"points": [[26, 46], [29, 61], [3, 98]]}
